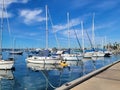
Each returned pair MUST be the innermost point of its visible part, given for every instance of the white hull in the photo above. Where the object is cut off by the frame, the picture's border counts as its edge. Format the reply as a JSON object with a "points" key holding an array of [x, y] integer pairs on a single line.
{"points": [[88, 55], [43, 60], [98, 54], [6, 64], [16, 52], [71, 57], [75, 58]]}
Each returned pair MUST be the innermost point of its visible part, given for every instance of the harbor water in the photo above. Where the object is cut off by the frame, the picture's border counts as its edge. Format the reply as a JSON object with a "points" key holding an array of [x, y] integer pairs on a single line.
{"points": [[28, 76]]}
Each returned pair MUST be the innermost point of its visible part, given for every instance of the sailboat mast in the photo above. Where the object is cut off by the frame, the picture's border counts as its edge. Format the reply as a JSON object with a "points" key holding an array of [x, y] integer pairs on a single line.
{"points": [[68, 25], [93, 34], [82, 36], [46, 28], [105, 44], [1, 29]]}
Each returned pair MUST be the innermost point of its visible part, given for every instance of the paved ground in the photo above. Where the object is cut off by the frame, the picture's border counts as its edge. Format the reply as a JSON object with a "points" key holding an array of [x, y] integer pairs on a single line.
{"points": [[107, 80]]}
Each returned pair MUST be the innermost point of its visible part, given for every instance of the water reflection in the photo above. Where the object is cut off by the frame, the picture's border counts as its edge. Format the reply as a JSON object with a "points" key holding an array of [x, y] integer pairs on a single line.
{"points": [[35, 66], [49, 77], [97, 58], [6, 74], [6, 80], [56, 75]]}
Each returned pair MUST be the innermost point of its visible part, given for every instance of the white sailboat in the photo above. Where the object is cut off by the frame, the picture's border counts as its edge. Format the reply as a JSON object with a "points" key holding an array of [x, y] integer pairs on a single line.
{"points": [[88, 54], [15, 52], [93, 53], [4, 64], [44, 59], [69, 56], [96, 53], [85, 54]]}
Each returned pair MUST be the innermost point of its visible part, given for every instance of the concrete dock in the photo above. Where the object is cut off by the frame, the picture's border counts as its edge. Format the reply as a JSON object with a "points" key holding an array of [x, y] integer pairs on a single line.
{"points": [[106, 78]]}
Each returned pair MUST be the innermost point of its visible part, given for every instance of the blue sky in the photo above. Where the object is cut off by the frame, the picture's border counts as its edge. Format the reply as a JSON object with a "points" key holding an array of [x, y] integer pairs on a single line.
{"points": [[27, 22]]}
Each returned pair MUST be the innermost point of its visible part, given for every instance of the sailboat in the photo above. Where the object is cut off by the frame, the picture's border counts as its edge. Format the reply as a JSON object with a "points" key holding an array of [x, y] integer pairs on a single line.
{"points": [[86, 54], [15, 52], [97, 53], [69, 56], [4, 64], [46, 59], [93, 52]]}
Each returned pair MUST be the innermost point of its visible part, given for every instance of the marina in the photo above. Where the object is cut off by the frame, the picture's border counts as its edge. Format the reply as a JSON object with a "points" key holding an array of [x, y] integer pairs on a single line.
{"points": [[59, 45], [49, 76]]}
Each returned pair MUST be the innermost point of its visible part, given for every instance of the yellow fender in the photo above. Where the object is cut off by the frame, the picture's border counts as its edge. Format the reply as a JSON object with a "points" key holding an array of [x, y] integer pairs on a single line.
{"points": [[63, 63]]}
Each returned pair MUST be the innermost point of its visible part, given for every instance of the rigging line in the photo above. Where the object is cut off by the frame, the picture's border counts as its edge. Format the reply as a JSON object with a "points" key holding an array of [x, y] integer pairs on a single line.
{"points": [[48, 80], [82, 36], [77, 38], [8, 25], [53, 28], [89, 39], [68, 27]]}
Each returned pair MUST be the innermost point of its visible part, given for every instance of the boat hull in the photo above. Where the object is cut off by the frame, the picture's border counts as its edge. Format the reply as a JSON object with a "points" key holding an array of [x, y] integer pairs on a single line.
{"points": [[17, 53], [88, 55], [5, 65], [74, 58], [98, 54], [43, 60], [71, 57]]}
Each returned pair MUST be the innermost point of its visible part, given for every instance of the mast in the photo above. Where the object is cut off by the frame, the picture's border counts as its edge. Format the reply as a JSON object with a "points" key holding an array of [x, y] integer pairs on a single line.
{"points": [[1, 30], [102, 44], [46, 28], [93, 34], [105, 44], [68, 25], [82, 36]]}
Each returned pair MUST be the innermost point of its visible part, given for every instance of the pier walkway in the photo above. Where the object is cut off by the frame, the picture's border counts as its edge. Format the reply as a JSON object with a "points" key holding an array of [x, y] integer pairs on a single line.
{"points": [[106, 78]]}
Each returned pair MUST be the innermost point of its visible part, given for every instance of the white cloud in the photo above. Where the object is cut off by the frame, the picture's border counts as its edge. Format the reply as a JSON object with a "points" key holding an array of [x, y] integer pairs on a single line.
{"points": [[89, 30], [72, 33], [31, 16], [102, 26], [6, 4], [5, 15], [73, 22]]}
